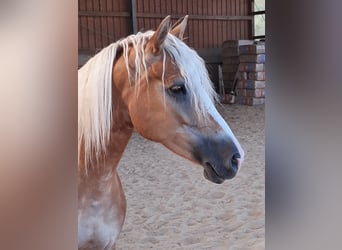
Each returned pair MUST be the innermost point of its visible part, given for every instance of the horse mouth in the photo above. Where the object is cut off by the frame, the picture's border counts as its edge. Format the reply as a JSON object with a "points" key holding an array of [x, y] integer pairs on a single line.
{"points": [[210, 174]]}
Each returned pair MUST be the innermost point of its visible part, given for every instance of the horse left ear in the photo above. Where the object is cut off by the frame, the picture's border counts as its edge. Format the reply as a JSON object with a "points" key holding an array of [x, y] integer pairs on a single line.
{"points": [[159, 36], [179, 27]]}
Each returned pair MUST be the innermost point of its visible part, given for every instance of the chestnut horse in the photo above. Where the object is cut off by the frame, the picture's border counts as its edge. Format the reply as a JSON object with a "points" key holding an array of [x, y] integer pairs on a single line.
{"points": [[154, 83]]}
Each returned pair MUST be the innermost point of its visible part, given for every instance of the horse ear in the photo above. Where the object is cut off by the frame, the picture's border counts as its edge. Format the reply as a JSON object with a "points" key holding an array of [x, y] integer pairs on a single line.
{"points": [[179, 27], [159, 36]]}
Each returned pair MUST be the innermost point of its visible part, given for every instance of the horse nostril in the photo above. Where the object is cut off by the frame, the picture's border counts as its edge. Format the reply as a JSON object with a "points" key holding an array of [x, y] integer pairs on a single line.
{"points": [[235, 162]]}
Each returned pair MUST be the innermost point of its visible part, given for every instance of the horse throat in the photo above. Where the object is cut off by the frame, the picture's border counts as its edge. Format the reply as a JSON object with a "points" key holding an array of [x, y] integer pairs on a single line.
{"points": [[101, 200]]}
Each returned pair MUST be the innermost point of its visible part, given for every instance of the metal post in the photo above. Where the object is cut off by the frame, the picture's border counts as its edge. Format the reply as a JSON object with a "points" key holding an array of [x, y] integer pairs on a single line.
{"points": [[134, 16]]}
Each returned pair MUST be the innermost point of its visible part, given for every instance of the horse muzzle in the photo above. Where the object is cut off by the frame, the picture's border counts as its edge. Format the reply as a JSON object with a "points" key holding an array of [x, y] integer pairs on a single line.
{"points": [[218, 174], [220, 160]]}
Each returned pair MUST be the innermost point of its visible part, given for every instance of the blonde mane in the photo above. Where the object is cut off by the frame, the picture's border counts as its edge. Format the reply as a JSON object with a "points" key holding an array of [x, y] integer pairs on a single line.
{"points": [[95, 86]]}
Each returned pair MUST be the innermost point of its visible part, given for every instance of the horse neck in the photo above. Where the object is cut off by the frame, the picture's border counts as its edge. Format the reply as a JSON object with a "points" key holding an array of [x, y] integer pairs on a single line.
{"points": [[107, 165], [121, 129]]}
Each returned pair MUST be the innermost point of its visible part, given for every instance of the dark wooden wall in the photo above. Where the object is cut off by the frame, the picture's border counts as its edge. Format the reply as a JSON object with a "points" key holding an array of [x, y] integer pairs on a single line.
{"points": [[211, 22]]}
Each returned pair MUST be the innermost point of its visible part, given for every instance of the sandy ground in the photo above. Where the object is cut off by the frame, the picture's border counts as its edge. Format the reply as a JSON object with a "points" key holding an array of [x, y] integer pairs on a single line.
{"points": [[171, 206]]}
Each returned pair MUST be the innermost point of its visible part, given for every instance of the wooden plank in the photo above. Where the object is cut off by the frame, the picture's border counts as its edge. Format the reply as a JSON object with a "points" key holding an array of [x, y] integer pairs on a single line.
{"points": [[210, 21], [91, 13], [83, 27], [206, 25], [104, 25], [117, 20], [146, 8], [90, 26], [197, 17], [140, 20], [97, 26], [110, 22]]}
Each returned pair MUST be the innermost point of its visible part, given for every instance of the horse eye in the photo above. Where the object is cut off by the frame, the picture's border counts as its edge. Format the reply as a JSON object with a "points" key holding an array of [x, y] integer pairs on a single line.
{"points": [[178, 89]]}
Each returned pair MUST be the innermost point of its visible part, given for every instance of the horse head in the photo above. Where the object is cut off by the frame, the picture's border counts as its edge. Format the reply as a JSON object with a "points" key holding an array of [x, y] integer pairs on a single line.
{"points": [[170, 100]]}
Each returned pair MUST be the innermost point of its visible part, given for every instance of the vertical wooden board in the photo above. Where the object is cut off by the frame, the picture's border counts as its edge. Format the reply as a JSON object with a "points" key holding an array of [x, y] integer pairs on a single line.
{"points": [[168, 7], [117, 20], [224, 32], [127, 27], [185, 10], [83, 23], [104, 26], [242, 29], [153, 11], [125, 21], [196, 44], [200, 35], [174, 9], [232, 7], [110, 22], [233, 30], [230, 30], [221, 5], [229, 8], [237, 7], [162, 7], [205, 7], [224, 7], [140, 24], [215, 5], [220, 34], [146, 8], [199, 7], [97, 25], [216, 8], [243, 4], [91, 28], [140, 20], [180, 8], [194, 25], [210, 22], [157, 6], [188, 6], [205, 24]]}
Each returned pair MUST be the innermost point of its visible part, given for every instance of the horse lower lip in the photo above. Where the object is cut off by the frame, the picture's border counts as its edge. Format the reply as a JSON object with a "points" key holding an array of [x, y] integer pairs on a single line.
{"points": [[212, 176], [209, 166]]}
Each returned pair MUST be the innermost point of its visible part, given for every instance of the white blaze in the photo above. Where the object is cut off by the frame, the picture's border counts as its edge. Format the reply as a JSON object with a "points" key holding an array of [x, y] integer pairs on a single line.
{"points": [[218, 118]]}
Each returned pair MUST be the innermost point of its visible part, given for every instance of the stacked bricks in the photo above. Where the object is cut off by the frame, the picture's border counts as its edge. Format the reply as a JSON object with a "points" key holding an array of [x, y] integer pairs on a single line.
{"points": [[230, 61], [250, 68]]}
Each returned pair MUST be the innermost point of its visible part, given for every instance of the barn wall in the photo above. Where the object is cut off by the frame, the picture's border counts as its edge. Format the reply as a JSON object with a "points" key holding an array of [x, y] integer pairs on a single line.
{"points": [[102, 22], [211, 22]]}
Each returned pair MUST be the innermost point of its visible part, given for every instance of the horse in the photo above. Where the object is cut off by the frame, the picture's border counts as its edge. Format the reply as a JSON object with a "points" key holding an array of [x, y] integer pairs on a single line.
{"points": [[151, 82]]}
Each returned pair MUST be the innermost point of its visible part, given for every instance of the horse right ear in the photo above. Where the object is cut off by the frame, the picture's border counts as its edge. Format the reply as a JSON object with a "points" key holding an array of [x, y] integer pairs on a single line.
{"points": [[159, 36], [179, 27]]}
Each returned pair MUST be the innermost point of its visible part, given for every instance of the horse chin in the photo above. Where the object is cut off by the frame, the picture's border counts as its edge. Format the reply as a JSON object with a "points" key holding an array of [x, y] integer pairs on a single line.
{"points": [[212, 176]]}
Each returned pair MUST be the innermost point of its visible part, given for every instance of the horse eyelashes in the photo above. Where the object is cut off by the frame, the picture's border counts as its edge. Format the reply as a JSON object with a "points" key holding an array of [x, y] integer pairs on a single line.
{"points": [[178, 89]]}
